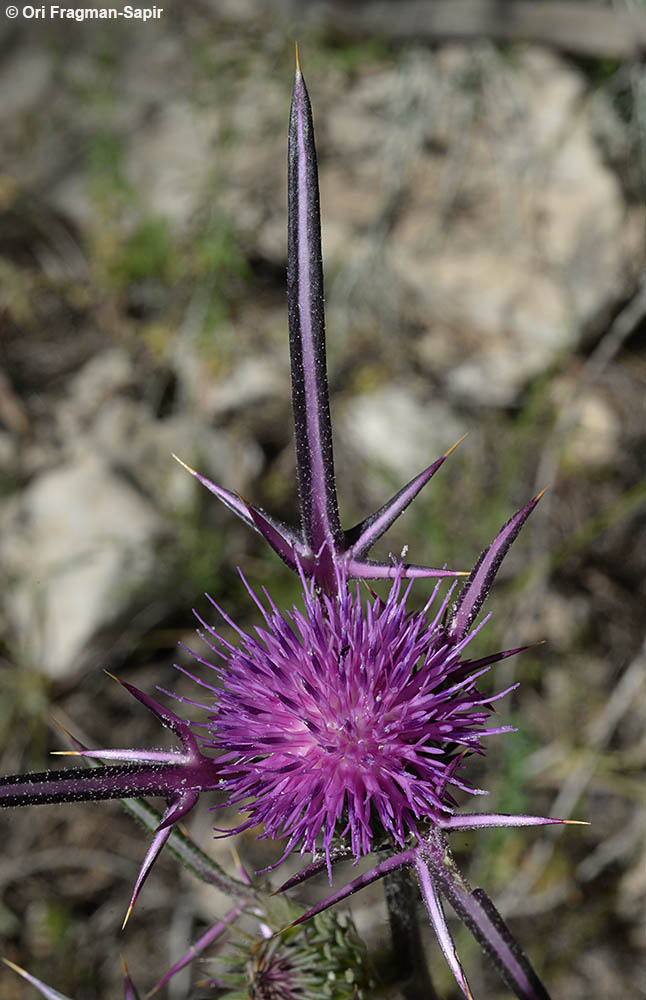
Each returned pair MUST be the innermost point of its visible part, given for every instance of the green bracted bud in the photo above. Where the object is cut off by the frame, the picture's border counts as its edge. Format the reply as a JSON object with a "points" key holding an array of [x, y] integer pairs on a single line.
{"points": [[324, 959]]}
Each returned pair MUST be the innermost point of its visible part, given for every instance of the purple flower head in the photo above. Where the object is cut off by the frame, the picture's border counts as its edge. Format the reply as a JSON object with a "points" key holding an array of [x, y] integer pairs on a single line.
{"points": [[347, 720]]}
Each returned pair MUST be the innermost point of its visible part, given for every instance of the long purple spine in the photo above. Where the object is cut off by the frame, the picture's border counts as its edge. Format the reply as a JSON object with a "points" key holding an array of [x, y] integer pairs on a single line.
{"points": [[319, 507]]}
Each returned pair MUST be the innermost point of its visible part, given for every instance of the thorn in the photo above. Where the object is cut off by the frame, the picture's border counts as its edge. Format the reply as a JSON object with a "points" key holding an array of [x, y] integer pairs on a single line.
{"points": [[463, 572], [287, 927], [576, 822], [115, 678], [127, 916], [459, 441], [373, 593], [184, 466], [64, 731], [65, 753], [298, 62], [12, 965], [70, 737], [239, 865], [123, 965], [539, 495]]}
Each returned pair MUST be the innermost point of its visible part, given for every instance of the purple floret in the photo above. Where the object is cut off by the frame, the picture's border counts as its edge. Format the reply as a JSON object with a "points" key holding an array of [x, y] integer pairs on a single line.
{"points": [[347, 719]]}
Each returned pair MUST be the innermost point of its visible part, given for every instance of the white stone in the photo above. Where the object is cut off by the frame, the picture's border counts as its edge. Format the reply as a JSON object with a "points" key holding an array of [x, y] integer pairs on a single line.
{"points": [[397, 433], [75, 543], [543, 246], [126, 433], [595, 433], [252, 381], [97, 415]]}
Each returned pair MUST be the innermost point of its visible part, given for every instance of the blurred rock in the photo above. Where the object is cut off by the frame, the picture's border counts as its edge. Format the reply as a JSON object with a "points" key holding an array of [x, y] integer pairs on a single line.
{"points": [[75, 545], [125, 431], [494, 325], [254, 380], [594, 439], [99, 412], [24, 79], [78, 544], [171, 160], [398, 433], [479, 184], [92, 386], [538, 243]]}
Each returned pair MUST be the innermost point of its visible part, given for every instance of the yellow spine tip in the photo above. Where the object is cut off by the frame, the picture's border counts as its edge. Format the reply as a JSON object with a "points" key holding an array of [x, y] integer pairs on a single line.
{"points": [[65, 753], [113, 677], [184, 465], [127, 916], [372, 592], [541, 494], [12, 965], [62, 728], [458, 442], [298, 61], [576, 822]]}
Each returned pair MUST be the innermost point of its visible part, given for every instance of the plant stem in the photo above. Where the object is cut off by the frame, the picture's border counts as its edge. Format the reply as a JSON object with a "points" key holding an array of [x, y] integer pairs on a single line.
{"points": [[409, 961]]}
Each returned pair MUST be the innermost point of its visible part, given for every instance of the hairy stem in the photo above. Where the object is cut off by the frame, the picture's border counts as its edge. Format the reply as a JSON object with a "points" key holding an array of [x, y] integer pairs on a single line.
{"points": [[184, 848]]}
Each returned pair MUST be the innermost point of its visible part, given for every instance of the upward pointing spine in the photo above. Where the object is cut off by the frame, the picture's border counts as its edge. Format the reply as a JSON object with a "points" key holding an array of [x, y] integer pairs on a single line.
{"points": [[317, 492]]}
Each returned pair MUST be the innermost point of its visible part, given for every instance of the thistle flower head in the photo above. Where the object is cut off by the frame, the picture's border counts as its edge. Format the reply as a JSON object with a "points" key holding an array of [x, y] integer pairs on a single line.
{"points": [[273, 975], [325, 960], [347, 719]]}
